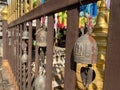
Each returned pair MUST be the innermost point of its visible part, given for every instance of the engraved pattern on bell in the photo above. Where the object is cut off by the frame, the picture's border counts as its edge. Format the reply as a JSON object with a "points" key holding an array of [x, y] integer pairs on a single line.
{"points": [[85, 50], [25, 35], [24, 57], [41, 37]]}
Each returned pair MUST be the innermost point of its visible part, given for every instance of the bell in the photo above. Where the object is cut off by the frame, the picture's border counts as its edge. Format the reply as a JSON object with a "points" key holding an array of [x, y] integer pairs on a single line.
{"points": [[85, 49], [41, 36], [25, 35], [24, 57], [40, 79]]}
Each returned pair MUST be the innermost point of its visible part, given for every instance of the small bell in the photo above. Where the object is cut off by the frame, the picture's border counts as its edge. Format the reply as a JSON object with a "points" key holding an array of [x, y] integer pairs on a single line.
{"points": [[41, 36], [40, 79], [25, 35], [24, 57], [85, 49]]}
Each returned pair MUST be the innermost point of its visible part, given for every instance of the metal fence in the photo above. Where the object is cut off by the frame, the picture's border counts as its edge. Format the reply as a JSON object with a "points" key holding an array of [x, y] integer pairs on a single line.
{"points": [[13, 43]]}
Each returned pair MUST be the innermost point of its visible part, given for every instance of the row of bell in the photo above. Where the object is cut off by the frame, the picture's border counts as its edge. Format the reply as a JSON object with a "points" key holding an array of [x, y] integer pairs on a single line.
{"points": [[85, 48], [40, 36]]}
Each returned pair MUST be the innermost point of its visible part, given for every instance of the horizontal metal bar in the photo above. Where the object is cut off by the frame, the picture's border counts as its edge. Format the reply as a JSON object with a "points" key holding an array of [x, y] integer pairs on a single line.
{"points": [[49, 7]]}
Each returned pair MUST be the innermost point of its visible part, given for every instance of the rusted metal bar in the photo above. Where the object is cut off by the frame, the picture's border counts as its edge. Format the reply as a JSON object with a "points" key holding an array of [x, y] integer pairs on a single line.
{"points": [[21, 26], [4, 26], [24, 76], [24, 68], [72, 35], [18, 57], [17, 54], [29, 55], [12, 49], [112, 65], [49, 53], [36, 51], [49, 7]]}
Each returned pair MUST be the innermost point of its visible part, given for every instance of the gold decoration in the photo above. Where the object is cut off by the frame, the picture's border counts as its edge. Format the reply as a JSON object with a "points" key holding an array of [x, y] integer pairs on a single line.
{"points": [[4, 13]]}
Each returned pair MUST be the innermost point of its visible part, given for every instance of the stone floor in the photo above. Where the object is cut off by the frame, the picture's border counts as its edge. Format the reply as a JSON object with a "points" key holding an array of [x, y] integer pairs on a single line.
{"points": [[5, 79]]}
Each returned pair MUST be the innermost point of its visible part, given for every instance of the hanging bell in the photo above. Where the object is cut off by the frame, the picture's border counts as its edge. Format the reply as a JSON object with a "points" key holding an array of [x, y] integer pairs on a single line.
{"points": [[41, 36], [25, 35], [40, 79], [24, 57], [85, 49]]}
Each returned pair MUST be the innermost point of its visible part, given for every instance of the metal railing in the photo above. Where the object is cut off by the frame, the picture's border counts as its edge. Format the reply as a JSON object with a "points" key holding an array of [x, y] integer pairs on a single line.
{"points": [[13, 43]]}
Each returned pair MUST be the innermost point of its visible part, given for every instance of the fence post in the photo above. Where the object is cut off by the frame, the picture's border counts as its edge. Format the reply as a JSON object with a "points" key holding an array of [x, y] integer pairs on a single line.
{"points": [[49, 52], [4, 26], [29, 55], [112, 65], [71, 36], [20, 86], [36, 50]]}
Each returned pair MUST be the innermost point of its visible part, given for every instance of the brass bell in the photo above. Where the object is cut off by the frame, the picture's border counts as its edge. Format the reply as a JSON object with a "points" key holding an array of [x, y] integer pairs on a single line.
{"points": [[25, 35], [41, 36], [24, 57], [85, 49]]}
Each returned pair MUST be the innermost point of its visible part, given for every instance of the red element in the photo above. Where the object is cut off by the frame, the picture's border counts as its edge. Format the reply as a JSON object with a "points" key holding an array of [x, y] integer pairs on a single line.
{"points": [[92, 41]]}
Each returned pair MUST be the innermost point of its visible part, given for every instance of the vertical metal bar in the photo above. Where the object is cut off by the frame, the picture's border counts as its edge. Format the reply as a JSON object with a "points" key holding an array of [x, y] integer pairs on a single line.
{"points": [[49, 53], [14, 51], [11, 49], [29, 55], [16, 69], [4, 26], [12, 58], [112, 65], [21, 26], [36, 51], [17, 54], [24, 68], [72, 34], [24, 77]]}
